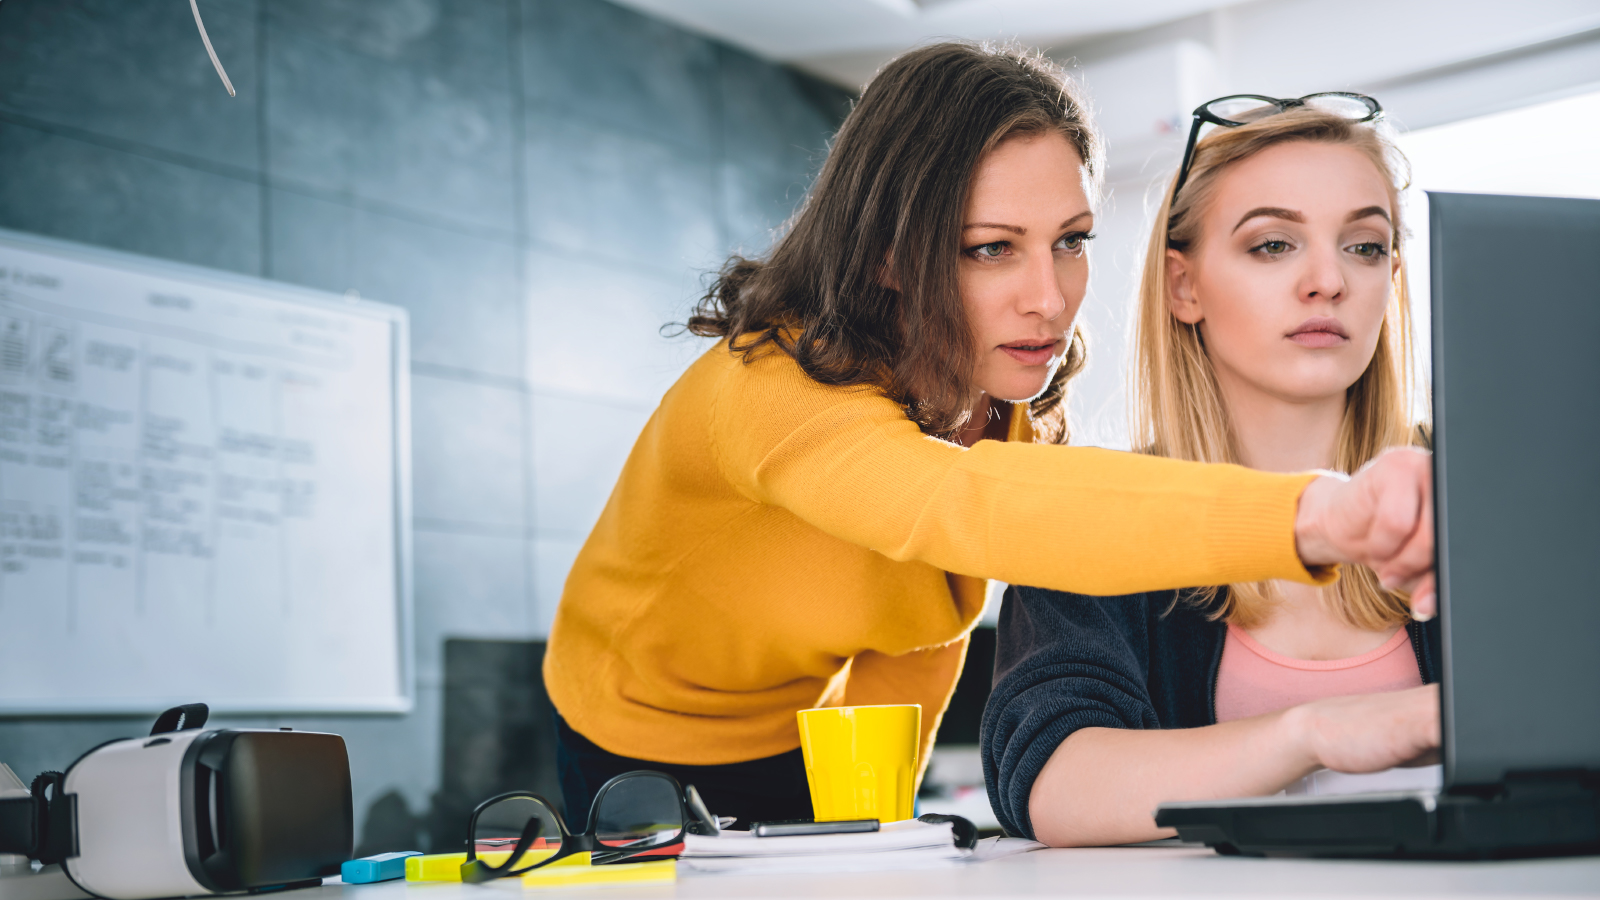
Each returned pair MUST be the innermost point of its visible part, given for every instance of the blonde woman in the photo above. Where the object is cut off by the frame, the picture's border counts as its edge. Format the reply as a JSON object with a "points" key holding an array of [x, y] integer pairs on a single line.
{"points": [[1273, 332]]}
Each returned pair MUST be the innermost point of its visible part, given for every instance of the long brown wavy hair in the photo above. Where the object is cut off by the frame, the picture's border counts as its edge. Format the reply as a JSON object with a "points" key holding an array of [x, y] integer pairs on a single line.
{"points": [[1178, 408], [887, 208]]}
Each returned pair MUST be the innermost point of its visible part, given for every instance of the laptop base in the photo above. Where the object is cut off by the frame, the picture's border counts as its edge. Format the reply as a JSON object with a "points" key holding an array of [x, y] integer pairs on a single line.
{"points": [[1536, 818]]}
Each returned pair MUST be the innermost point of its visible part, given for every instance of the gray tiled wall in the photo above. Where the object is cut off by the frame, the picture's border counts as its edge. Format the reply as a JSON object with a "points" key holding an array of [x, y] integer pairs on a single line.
{"points": [[541, 184]]}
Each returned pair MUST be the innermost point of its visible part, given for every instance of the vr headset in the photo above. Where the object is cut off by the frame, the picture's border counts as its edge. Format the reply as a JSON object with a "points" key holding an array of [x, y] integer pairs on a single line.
{"points": [[186, 811]]}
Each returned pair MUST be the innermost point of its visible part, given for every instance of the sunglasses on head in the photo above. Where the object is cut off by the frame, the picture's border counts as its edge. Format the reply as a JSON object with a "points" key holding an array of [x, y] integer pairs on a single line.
{"points": [[1242, 109]]}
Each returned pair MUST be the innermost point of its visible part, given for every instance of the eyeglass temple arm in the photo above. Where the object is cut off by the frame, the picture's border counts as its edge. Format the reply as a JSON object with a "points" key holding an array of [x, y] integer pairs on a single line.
{"points": [[1188, 157], [697, 808], [477, 871]]}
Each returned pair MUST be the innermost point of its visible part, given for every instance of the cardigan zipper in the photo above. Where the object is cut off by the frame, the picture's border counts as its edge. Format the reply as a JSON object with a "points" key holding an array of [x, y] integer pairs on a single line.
{"points": [[1414, 631]]}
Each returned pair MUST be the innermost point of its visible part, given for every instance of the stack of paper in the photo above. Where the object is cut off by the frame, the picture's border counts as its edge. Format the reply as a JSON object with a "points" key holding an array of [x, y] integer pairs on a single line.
{"points": [[897, 845]]}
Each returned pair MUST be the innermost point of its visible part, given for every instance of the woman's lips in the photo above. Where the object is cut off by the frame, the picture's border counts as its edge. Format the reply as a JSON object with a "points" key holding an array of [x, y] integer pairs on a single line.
{"points": [[1318, 332], [1031, 353]]}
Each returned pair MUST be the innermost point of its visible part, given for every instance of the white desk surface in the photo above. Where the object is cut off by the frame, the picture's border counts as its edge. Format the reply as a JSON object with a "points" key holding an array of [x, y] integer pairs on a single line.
{"points": [[1109, 872]]}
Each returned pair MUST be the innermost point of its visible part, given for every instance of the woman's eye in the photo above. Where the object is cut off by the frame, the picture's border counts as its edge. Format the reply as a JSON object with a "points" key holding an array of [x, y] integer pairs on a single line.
{"points": [[1370, 250], [989, 251], [1074, 242], [1271, 248]]}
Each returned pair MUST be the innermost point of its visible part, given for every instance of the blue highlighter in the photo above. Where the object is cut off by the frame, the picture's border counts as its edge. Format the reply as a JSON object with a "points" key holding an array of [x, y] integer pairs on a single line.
{"points": [[383, 867]]}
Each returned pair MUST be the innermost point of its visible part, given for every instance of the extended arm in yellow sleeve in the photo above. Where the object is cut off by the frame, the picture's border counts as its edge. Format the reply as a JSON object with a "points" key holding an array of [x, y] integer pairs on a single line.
{"points": [[1079, 519]]}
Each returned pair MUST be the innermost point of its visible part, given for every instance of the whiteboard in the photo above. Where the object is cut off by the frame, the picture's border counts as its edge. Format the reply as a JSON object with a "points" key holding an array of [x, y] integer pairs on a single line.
{"points": [[204, 490]]}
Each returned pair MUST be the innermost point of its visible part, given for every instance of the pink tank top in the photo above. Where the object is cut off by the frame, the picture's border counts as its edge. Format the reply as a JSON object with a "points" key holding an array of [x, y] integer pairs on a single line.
{"points": [[1253, 680]]}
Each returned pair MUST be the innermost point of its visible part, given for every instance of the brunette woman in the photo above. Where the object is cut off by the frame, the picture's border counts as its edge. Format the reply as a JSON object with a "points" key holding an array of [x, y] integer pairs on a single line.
{"points": [[809, 516]]}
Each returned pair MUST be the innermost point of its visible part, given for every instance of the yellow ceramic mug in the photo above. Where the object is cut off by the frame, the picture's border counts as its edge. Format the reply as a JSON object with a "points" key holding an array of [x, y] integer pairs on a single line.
{"points": [[861, 761]]}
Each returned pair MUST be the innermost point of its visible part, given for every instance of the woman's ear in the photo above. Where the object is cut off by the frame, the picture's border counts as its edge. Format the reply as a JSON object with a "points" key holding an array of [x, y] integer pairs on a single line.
{"points": [[1180, 290]]}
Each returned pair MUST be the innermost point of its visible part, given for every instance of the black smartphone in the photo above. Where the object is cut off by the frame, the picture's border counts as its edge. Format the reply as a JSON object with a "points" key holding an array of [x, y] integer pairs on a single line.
{"points": [[792, 827]]}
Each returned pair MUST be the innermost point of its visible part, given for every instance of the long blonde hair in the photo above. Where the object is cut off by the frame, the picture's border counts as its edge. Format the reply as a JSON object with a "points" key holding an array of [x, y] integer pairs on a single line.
{"points": [[1178, 409]]}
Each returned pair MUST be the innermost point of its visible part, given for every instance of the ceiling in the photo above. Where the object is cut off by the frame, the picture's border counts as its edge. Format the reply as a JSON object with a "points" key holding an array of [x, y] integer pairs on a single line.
{"points": [[845, 41]]}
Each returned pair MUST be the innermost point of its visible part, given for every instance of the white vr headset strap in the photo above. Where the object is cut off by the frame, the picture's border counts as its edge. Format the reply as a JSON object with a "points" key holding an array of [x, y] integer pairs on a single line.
{"points": [[43, 825]]}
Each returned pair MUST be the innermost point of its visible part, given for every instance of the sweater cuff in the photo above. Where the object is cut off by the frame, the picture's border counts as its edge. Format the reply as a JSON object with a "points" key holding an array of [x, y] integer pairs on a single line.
{"points": [[1252, 523]]}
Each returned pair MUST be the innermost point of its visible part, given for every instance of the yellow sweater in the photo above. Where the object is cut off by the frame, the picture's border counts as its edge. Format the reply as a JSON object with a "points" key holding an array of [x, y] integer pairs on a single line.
{"points": [[775, 544]]}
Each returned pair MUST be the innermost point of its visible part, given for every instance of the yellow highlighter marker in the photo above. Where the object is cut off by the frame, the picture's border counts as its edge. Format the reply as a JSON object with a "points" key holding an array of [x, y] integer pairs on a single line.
{"points": [[577, 870], [447, 866], [574, 870]]}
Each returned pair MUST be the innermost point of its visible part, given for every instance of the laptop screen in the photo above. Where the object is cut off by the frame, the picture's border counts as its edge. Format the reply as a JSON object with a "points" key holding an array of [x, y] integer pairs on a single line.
{"points": [[1516, 392]]}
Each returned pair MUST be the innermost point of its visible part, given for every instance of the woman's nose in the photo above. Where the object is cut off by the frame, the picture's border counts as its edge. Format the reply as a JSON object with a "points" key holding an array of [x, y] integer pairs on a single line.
{"points": [[1323, 279], [1042, 292]]}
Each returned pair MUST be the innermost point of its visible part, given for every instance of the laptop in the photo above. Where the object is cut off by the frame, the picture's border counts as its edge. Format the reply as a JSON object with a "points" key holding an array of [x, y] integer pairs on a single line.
{"points": [[1516, 405]]}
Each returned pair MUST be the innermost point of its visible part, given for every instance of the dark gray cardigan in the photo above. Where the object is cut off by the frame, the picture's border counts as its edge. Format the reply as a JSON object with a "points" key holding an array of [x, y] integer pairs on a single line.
{"points": [[1068, 661]]}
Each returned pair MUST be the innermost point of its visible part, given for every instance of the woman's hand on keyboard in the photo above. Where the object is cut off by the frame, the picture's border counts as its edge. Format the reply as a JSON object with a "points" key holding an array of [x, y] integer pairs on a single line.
{"points": [[1369, 732]]}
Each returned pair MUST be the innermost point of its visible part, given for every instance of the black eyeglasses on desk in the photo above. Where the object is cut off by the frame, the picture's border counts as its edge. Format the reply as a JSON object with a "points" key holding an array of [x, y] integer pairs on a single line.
{"points": [[636, 814], [1242, 109]]}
